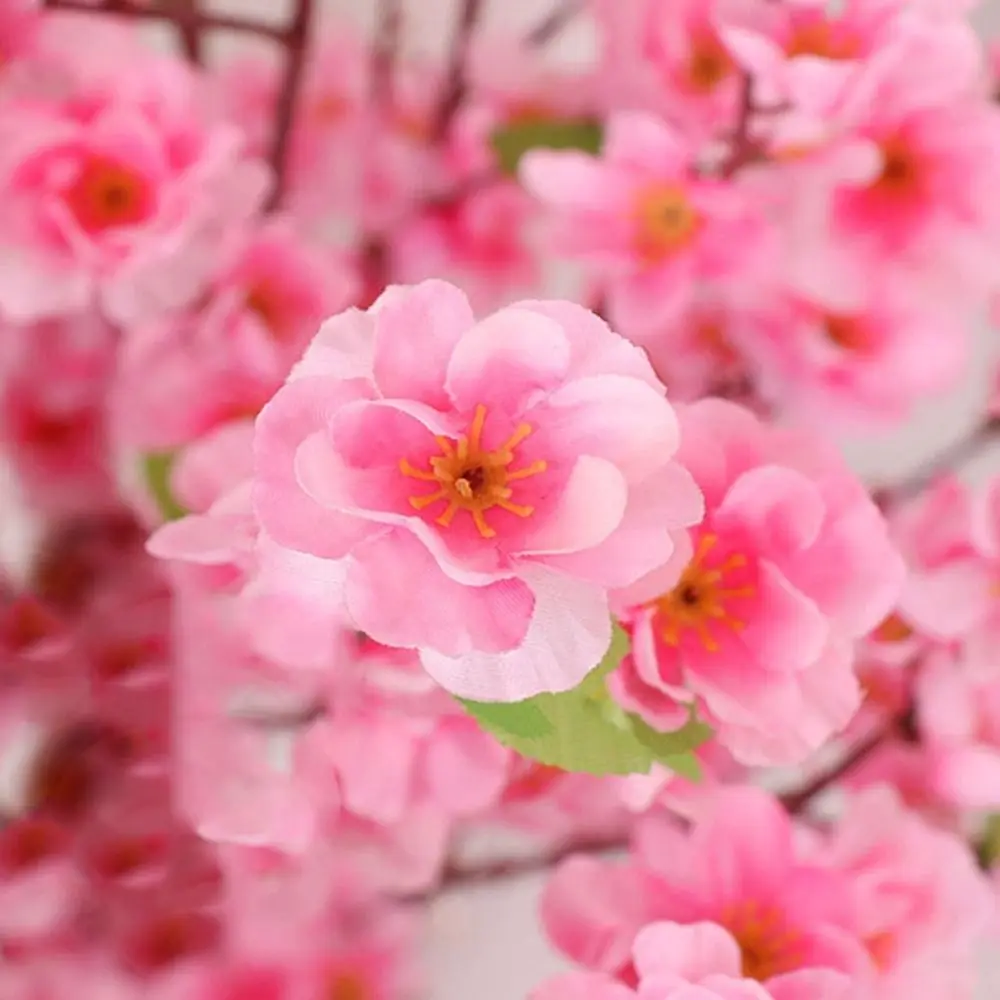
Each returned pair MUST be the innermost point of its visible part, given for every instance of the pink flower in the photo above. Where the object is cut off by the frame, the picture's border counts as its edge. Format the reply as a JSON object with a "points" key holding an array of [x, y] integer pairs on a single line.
{"points": [[921, 906], [645, 216], [739, 868], [668, 56], [868, 364], [922, 209], [122, 201], [224, 358], [515, 468], [791, 565]]}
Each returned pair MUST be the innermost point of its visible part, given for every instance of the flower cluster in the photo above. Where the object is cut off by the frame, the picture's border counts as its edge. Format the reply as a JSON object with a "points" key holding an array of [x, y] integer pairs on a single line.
{"points": [[400, 449]]}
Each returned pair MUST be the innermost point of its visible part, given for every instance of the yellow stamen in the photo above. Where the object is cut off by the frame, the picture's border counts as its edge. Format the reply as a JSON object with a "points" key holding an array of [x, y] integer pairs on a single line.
{"points": [[473, 478]]}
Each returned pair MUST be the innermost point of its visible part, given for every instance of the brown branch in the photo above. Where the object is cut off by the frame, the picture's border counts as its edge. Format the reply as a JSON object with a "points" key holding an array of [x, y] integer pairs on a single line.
{"points": [[384, 52], [296, 39], [951, 458], [188, 20], [743, 149], [547, 29], [456, 83], [157, 13]]}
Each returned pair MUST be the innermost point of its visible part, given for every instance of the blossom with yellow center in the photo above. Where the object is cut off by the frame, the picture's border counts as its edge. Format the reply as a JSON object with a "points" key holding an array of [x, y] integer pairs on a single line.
{"points": [[769, 947], [473, 478], [665, 221], [701, 598]]}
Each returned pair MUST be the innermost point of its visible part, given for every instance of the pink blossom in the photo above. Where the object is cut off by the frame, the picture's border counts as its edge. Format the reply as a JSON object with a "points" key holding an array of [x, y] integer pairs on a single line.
{"points": [[669, 57], [869, 364], [922, 208], [360, 453], [738, 868], [922, 907], [647, 218], [791, 565], [223, 359], [119, 199]]}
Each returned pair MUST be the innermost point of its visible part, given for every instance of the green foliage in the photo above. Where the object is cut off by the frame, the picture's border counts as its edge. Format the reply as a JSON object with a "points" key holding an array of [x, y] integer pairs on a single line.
{"points": [[511, 142], [156, 470], [584, 730]]}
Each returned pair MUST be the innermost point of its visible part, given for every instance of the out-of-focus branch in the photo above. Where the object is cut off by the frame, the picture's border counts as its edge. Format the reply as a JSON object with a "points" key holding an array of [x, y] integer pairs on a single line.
{"points": [[187, 19], [547, 29], [385, 50], [742, 148], [456, 82], [296, 41]]}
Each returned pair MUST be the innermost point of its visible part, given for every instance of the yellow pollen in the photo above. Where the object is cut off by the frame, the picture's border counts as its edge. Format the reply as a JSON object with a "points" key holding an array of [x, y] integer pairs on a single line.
{"points": [[472, 478], [768, 946], [665, 221], [701, 599]]}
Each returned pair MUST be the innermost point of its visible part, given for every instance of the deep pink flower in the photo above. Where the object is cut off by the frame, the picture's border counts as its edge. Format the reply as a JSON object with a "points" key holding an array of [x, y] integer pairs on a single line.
{"points": [[644, 215], [515, 468], [120, 199], [791, 565], [738, 868]]}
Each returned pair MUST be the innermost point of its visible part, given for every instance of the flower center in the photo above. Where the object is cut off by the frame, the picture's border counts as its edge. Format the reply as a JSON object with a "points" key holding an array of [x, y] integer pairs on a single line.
{"points": [[900, 177], [708, 65], [473, 478], [264, 301], [847, 332], [822, 38], [665, 221], [892, 629], [107, 194], [769, 948], [346, 986], [702, 597]]}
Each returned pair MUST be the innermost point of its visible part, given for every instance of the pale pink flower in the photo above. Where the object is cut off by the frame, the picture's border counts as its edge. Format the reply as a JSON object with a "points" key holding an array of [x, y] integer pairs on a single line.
{"points": [[119, 200], [870, 364], [182, 376], [738, 868], [475, 239], [791, 565], [642, 214], [515, 468], [669, 57], [921, 906]]}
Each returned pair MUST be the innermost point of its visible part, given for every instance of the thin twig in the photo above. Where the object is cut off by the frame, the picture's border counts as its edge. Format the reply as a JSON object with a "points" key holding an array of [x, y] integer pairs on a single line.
{"points": [[742, 149], [951, 458], [213, 22], [385, 51], [547, 29], [296, 39], [456, 82], [188, 20]]}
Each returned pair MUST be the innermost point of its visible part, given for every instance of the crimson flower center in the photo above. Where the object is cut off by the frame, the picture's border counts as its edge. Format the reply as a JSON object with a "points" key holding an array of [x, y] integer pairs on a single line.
{"points": [[847, 332], [107, 194], [709, 64], [665, 221], [901, 171], [473, 478], [822, 38], [347, 986], [702, 598]]}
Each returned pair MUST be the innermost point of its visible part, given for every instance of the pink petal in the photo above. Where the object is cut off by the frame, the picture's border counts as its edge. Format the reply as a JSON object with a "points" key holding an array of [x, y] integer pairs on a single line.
{"points": [[343, 349], [948, 602], [390, 569], [589, 509], [464, 769], [595, 348], [780, 509], [416, 330], [969, 776], [508, 361], [569, 633], [616, 418], [207, 539], [811, 984], [575, 182], [646, 144], [592, 910], [661, 711], [786, 631], [691, 951], [212, 465], [286, 510]]}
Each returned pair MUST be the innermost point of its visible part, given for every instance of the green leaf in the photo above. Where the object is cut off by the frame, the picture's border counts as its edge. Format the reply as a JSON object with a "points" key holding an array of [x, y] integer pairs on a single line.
{"points": [[666, 745], [685, 764], [156, 469], [510, 142], [522, 719]]}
